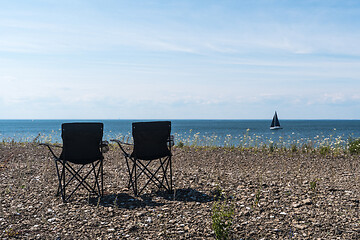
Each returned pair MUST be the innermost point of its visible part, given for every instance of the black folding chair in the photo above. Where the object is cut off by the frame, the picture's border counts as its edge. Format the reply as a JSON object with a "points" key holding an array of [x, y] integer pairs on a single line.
{"points": [[151, 156], [80, 158]]}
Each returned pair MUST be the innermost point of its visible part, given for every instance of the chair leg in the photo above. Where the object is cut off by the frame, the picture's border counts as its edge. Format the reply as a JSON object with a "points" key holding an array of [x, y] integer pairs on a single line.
{"points": [[59, 178], [171, 183], [136, 179], [96, 176], [164, 170], [130, 172], [63, 184], [82, 180], [102, 178], [75, 175], [136, 169], [152, 175], [165, 177], [96, 169]]}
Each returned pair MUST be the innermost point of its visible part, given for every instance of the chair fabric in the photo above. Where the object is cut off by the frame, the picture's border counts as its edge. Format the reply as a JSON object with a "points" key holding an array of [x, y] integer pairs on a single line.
{"points": [[150, 140], [81, 142], [81, 157], [151, 145]]}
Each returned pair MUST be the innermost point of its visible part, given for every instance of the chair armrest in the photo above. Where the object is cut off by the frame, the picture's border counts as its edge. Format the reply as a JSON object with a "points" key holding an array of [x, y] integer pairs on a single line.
{"points": [[171, 141], [104, 146], [120, 142], [120, 145], [50, 146]]}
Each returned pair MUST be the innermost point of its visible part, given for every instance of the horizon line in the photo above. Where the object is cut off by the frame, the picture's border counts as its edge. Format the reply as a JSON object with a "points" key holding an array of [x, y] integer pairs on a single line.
{"points": [[167, 119]]}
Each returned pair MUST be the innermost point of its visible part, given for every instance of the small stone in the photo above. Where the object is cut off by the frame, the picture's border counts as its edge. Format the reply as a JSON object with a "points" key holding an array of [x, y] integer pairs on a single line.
{"points": [[300, 226], [35, 227], [133, 228], [307, 201], [247, 213], [296, 205]]}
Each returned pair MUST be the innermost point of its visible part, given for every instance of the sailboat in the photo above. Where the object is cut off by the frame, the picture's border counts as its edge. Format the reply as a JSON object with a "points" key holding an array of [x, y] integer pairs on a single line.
{"points": [[275, 124]]}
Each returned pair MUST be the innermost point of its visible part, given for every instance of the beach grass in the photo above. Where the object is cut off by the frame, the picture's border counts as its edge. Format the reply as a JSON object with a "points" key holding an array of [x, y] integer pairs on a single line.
{"points": [[323, 144]]}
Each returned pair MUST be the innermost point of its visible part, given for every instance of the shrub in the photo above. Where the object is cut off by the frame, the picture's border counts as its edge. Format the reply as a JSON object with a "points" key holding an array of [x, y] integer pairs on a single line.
{"points": [[222, 219], [354, 146], [222, 215], [324, 150], [180, 144]]}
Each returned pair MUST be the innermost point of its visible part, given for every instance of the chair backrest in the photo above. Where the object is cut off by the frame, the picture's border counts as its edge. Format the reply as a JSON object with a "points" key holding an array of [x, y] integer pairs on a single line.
{"points": [[81, 142], [151, 139]]}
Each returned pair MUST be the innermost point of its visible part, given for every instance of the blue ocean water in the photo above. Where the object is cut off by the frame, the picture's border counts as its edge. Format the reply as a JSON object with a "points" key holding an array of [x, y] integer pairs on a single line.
{"points": [[199, 132]]}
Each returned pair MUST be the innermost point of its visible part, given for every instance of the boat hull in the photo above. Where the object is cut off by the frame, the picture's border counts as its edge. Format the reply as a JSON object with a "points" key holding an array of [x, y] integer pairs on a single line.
{"points": [[275, 128]]}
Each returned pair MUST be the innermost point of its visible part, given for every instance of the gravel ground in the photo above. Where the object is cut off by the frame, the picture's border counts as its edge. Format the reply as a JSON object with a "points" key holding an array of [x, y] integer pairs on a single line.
{"points": [[276, 195]]}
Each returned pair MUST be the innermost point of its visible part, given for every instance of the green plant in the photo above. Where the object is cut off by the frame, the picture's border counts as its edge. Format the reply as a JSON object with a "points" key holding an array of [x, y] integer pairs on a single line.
{"points": [[218, 193], [272, 147], [324, 150], [36, 139], [11, 233], [313, 185], [222, 219], [222, 214], [354, 146], [115, 203], [180, 144], [305, 147], [257, 197]]}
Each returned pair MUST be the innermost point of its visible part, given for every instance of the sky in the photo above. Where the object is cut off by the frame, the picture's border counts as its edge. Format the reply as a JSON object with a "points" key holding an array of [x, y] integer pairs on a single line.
{"points": [[114, 59]]}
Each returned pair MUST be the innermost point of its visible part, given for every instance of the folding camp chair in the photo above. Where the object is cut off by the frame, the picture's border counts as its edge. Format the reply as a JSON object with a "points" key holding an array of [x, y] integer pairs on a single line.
{"points": [[151, 156], [80, 158]]}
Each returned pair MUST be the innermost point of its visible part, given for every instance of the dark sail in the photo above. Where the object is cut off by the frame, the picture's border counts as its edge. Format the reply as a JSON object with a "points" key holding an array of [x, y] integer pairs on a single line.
{"points": [[275, 122]]}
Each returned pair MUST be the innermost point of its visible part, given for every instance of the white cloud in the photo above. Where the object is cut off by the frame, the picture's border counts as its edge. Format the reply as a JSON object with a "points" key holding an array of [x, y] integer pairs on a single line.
{"points": [[334, 98]]}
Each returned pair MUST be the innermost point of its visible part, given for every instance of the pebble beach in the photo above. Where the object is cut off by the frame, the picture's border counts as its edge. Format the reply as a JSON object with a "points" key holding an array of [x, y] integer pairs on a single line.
{"points": [[278, 194]]}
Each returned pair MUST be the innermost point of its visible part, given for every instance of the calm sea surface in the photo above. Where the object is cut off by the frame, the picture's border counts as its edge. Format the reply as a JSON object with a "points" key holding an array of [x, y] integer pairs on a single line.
{"points": [[200, 132]]}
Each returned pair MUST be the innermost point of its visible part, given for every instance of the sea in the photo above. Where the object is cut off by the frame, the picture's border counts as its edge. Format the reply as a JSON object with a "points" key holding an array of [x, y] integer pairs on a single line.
{"points": [[200, 132]]}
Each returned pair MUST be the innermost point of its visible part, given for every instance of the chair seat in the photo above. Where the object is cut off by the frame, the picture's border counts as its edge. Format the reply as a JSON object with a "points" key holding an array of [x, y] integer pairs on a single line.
{"points": [[150, 157], [80, 160]]}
